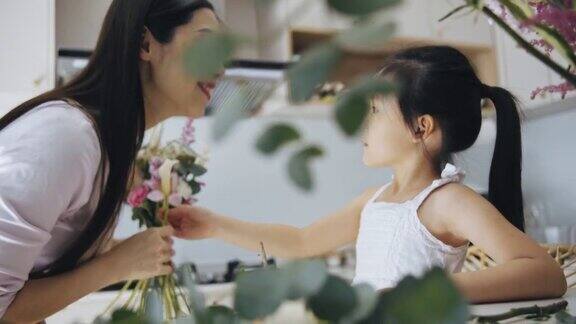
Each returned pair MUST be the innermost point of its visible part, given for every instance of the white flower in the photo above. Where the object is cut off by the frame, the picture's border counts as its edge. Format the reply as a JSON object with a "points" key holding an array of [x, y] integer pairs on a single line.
{"points": [[165, 173], [184, 190], [155, 137]]}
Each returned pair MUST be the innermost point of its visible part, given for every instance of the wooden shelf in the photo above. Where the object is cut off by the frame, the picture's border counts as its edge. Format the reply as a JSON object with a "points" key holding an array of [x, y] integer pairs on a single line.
{"points": [[359, 63]]}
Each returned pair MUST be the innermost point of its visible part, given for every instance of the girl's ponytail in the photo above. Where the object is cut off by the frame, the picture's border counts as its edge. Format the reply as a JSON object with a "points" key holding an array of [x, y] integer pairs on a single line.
{"points": [[505, 184]]}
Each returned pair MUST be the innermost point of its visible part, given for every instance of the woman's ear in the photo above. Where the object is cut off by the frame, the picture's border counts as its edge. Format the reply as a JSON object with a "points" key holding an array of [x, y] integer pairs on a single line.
{"points": [[146, 48], [424, 127]]}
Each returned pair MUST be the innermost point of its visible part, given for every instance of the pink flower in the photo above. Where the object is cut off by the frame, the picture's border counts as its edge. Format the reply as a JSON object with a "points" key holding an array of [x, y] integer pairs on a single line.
{"points": [[155, 196], [137, 196], [562, 89], [155, 164], [187, 136], [153, 184], [175, 200]]}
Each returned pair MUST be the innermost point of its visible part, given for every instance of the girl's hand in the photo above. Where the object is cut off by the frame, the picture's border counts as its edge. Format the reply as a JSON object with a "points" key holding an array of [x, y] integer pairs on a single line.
{"points": [[145, 255], [192, 223]]}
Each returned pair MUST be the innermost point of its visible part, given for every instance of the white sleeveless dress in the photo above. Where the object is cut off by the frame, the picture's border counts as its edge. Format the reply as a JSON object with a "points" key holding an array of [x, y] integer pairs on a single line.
{"points": [[392, 242]]}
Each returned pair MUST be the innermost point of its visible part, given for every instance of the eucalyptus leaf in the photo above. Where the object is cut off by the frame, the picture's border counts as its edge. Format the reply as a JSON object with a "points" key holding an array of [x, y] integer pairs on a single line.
{"points": [[306, 278], [197, 300], [353, 106], [335, 301], [220, 315], [299, 168], [124, 316], [154, 308], [367, 300], [313, 69], [361, 7], [275, 137], [564, 317], [367, 36], [431, 299], [260, 292], [209, 54]]}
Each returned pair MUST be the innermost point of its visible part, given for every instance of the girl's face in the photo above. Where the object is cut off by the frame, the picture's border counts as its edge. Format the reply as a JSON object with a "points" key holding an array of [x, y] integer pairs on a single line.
{"points": [[179, 92], [387, 139]]}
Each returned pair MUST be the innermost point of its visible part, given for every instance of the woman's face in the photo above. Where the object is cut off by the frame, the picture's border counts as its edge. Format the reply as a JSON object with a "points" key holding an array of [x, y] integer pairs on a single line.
{"points": [[386, 138], [174, 88]]}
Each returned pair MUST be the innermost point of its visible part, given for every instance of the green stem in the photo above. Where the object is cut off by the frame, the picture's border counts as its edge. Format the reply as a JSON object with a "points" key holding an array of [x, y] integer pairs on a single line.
{"points": [[133, 295], [564, 73], [115, 300]]}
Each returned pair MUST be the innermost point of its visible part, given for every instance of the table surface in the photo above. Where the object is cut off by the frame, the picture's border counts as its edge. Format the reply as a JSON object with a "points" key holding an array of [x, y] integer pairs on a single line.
{"points": [[89, 307]]}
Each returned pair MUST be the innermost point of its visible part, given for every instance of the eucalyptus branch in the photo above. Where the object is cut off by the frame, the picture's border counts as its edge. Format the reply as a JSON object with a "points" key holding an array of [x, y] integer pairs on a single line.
{"points": [[532, 310], [563, 72]]}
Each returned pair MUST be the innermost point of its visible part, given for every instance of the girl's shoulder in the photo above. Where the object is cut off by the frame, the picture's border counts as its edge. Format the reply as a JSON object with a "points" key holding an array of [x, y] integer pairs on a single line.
{"points": [[451, 196]]}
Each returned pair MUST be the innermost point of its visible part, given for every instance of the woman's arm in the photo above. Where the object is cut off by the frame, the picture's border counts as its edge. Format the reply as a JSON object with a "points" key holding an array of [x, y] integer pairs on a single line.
{"points": [[41, 298], [283, 241], [142, 256], [524, 271]]}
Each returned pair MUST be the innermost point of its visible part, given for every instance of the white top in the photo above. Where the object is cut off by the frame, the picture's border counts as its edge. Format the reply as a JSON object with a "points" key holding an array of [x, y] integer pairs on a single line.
{"points": [[392, 242], [49, 161]]}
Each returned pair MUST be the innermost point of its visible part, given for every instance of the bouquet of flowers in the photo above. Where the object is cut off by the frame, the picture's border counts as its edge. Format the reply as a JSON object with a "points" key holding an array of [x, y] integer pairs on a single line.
{"points": [[165, 177]]}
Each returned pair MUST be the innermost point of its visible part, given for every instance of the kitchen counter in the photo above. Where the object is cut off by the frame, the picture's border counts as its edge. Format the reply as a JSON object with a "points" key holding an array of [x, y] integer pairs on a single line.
{"points": [[88, 308]]}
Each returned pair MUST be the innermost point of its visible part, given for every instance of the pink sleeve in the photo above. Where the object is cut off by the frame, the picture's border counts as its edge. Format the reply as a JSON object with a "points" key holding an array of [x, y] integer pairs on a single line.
{"points": [[48, 161]]}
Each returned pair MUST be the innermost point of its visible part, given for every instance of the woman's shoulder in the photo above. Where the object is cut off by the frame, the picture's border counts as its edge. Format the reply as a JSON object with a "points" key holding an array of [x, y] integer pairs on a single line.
{"points": [[57, 122], [59, 115]]}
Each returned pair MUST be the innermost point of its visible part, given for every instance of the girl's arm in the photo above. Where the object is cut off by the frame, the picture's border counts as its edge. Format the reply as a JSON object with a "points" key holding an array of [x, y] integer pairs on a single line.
{"points": [[323, 236], [144, 255], [525, 270]]}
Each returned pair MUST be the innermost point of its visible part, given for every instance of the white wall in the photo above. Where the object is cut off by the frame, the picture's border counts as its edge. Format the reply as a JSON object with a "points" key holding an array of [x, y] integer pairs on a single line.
{"points": [[78, 22]]}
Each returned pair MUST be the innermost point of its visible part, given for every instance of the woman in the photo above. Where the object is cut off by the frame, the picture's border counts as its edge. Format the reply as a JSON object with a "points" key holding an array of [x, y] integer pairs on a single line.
{"points": [[66, 158]]}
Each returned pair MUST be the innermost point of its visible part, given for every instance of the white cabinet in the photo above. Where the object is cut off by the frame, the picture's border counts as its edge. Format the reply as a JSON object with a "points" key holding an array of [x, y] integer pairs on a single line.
{"points": [[27, 50]]}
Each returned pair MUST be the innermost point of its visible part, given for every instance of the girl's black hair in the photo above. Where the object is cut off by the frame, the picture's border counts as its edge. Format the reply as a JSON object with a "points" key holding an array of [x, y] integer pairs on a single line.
{"points": [[110, 90], [440, 81]]}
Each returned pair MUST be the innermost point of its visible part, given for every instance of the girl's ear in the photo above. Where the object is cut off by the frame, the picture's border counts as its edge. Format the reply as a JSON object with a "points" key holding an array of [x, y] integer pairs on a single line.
{"points": [[424, 127]]}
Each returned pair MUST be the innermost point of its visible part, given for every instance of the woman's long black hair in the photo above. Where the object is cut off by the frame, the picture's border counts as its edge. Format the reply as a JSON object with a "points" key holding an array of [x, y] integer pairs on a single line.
{"points": [[440, 81], [110, 90]]}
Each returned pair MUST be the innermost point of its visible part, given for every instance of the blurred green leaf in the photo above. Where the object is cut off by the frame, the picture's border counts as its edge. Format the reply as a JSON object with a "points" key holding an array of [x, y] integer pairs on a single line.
{"points": [[154, 307], [313, 69], [209, 54], [353, 106], [299, 168], [564, 317], [367, 299], [229, 114], [196, 299], [220, 315], [335, 300], [306, 278], [367, 36], [275, 137], [260, 292], [124, 316], [361, 7], [432, 299]]}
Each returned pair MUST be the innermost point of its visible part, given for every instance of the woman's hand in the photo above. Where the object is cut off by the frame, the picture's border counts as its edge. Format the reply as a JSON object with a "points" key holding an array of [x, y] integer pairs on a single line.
{"points": [[192, 223], [144, 255]]}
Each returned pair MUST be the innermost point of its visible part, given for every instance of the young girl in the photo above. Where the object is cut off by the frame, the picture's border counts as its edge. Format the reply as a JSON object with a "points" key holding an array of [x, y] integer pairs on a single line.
{"points": [[424, 217]]}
